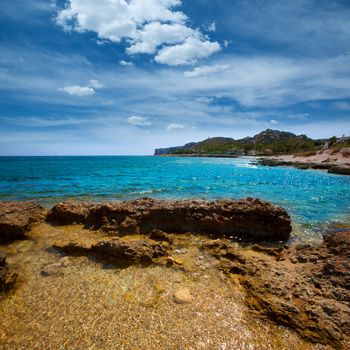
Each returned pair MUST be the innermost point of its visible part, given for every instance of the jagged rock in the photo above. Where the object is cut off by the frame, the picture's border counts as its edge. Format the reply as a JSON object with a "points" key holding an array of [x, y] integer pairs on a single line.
{"points": [[7, 278], [16, 218], [249, 218], [290, 288], [69, 213]]}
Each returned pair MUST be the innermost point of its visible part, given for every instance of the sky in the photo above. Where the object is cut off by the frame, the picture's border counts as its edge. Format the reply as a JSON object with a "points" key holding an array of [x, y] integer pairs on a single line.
{"points": [[123, 77]]}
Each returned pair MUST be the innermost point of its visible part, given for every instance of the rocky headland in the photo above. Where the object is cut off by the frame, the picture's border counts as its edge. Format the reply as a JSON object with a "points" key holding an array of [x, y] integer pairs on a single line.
{"points": [[302, 287]]}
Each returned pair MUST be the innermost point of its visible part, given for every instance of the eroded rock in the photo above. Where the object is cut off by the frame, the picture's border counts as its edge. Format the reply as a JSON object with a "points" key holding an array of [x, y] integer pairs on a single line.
{"points": [[304, 287], [7, 278], [137, 251], [16, 218], [250, 219]]}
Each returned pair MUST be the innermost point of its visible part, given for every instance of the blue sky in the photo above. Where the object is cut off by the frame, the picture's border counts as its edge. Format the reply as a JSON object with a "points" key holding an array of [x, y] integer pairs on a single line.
{"points": [[86, 77]]}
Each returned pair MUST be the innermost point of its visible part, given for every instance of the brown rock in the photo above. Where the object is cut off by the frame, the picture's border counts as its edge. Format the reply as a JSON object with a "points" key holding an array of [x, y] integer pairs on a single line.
{"points": [[16, 218], [182, 296], [69, 213], [159, 235], [138, 251], [250, 219], [312, 298], [7, 278]]}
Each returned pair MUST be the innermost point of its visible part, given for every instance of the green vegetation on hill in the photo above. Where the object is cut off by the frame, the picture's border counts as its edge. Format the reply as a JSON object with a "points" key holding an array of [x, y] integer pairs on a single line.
{"points": [[267, 142]]}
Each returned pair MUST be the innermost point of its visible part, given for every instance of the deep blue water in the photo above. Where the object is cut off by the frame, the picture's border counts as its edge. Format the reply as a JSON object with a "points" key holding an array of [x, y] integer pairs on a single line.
{"points": [[311, 196]]}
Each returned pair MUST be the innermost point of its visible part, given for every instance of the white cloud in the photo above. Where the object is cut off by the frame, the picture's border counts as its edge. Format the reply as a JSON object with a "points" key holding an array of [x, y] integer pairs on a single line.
{"points": [[125, 63], [205, 70], [139, 121], [147, 25], [188, 52], [212, 27], [78, 90], [273, 121], [96, 84], [89, 90], [172, 127], [155, 34], [343, 106]]}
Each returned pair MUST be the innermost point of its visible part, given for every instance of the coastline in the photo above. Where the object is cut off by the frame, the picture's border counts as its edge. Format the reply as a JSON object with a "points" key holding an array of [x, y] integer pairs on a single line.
{"points": [[334, 161], [197, 155], [166, 239]]}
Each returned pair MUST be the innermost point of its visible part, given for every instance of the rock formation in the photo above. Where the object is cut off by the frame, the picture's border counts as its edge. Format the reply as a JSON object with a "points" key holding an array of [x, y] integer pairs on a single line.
{"points": [[247, 218], [16, 218], [136, 251], [7, 278], [304, 287]]}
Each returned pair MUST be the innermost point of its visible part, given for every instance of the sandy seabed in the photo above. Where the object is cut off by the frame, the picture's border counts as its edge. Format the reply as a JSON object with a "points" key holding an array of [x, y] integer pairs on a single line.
{"points": [[86, 304]]}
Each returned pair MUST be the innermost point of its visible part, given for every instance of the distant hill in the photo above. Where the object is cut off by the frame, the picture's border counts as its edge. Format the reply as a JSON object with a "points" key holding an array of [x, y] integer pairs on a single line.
{"points": [[267, 142]]}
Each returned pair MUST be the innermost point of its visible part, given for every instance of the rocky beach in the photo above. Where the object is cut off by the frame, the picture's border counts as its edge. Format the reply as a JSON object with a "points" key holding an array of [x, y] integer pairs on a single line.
{"points": [[335, 161], [169, 274]]}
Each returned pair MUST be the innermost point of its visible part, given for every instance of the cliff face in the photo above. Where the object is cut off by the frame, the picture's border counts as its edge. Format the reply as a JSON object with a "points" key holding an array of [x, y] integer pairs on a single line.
{"points": [[172, 150]]}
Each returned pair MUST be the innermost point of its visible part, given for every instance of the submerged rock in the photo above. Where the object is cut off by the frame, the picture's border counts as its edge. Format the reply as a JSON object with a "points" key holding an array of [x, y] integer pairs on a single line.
{"points": [[16, 218], [137, 251], [7, 278], [182, 296], [249, 219]]}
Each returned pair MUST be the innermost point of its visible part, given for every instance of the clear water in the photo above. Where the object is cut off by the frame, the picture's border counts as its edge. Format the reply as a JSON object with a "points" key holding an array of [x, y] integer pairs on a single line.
{"points": [[311, 196]]}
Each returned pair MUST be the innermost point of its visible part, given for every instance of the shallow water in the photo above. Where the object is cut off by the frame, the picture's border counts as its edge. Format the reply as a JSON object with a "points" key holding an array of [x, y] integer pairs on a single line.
{"points": [[312, 197], [89, 305]]}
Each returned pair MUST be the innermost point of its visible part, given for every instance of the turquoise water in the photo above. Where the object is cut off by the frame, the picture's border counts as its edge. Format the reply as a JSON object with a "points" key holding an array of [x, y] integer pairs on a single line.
{"points": [[310, 196]]}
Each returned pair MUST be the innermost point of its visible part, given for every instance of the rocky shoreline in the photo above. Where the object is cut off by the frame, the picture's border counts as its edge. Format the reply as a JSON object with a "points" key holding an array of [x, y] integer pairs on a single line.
{"points": [[303, 287], [331, 168], [335, 161]]}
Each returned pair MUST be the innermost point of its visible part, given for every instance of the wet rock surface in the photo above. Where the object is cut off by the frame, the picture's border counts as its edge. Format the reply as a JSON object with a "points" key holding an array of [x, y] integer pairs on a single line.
{"points": [[250, 219], [136, 251], [304, 287], [7, 278], [16, 218]]}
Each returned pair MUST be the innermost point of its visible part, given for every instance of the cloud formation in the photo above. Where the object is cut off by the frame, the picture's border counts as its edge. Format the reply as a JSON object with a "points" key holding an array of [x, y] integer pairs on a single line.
{"points": [[148, 27], [77, 90], [89, 90], [139, 121], [205, 70], [172, 127]]}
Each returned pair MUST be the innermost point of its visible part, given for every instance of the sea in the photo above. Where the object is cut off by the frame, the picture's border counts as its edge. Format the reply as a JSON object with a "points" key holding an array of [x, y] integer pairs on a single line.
{"points": [[312, 197]]}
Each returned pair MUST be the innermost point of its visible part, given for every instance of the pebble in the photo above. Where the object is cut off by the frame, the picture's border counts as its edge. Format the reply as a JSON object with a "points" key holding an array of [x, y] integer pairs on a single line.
{"points": [[180, 251], [182, 296], [51, 269]]}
